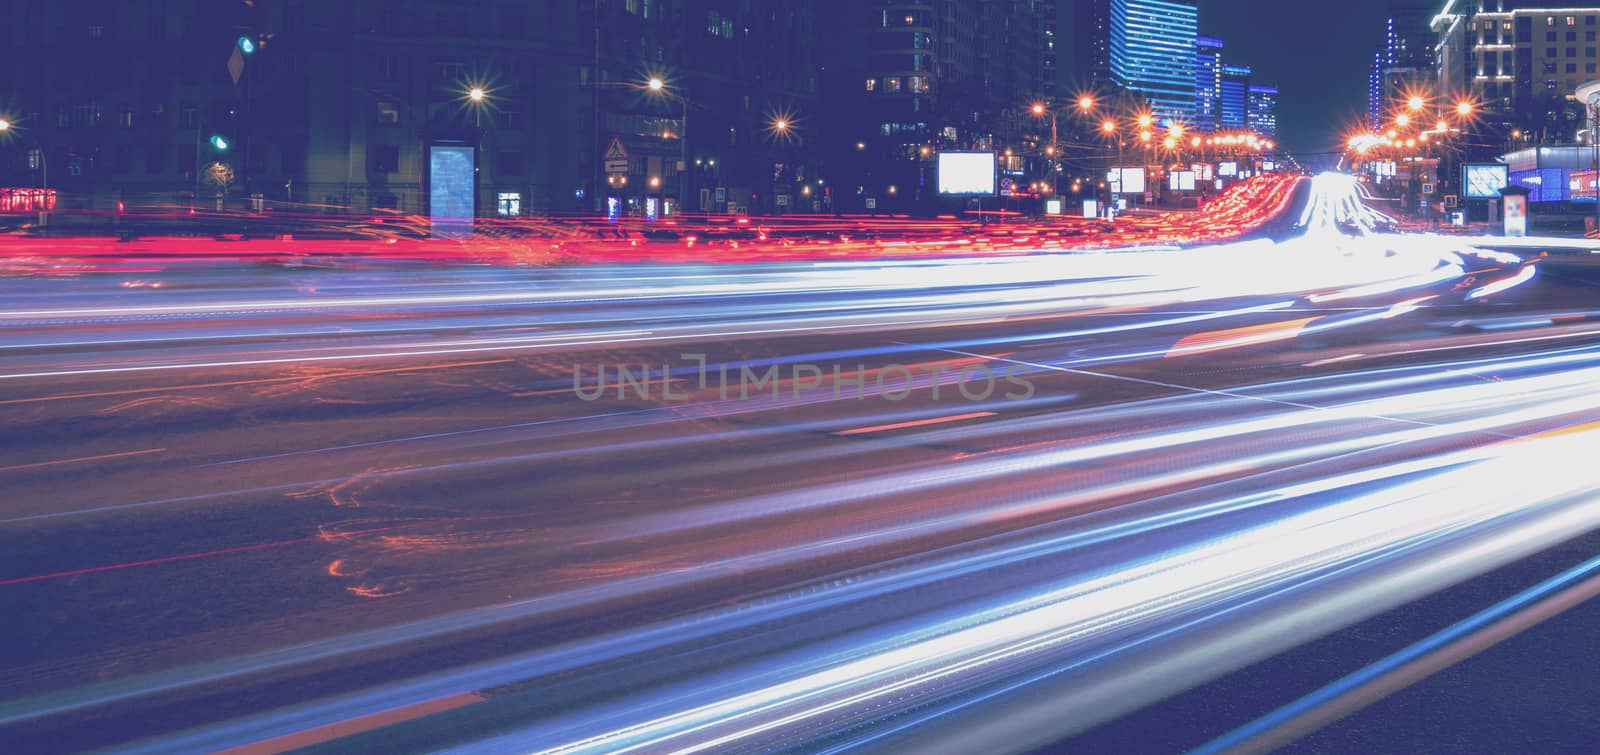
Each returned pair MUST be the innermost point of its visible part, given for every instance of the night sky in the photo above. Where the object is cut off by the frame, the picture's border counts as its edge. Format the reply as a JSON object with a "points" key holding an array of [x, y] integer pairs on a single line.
{"points": [[1317, 53]]}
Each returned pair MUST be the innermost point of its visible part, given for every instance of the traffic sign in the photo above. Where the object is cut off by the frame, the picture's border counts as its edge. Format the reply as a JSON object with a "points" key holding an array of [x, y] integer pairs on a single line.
{"points": [[1451, 200], [236, 65], [1427, 188], [616, 157]]}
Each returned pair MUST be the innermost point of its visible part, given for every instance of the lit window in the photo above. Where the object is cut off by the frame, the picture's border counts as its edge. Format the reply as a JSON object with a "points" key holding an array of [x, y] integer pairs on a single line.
{"points": [[892, 84], [872, 85], [510, 204], [1572, 21]]}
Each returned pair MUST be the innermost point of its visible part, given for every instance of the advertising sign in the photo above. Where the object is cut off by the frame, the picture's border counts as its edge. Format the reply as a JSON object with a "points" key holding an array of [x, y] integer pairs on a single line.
{"points": [[1091, 209], [451, 181], [1516, 215], [1227, 169], [1485, 180], [967, 174], [1052, 207], [1132, 181], [1543, 184]]}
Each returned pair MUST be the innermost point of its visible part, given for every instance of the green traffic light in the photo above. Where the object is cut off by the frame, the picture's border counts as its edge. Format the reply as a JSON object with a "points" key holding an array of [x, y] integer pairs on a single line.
{"points": [[219, 142], [247, 45]]}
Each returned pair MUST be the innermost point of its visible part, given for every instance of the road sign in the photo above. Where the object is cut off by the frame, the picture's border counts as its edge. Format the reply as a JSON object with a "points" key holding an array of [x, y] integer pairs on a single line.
{"points": [[1427, 188], [236, 64], [1451, 200], [616, 157]]}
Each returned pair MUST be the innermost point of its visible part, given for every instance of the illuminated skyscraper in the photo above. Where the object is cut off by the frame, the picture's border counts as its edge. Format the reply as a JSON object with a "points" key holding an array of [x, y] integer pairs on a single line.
{"points": [[1153, 53], [1233, 106], [1262, 113], [1207, 81]]}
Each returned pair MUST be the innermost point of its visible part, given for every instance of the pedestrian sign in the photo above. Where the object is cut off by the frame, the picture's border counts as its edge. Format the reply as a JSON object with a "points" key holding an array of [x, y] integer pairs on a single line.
{"points": [[1451, 200], [1427, 188], [616, 157]]}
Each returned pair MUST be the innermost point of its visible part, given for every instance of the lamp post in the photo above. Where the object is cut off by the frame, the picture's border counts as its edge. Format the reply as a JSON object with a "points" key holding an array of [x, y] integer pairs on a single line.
{"points": [[656, 85], [7, 128]]}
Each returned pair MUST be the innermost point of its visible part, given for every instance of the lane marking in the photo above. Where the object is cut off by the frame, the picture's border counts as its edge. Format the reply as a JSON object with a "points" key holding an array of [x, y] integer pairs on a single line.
{"points": [[101, 457], [915, 423]]}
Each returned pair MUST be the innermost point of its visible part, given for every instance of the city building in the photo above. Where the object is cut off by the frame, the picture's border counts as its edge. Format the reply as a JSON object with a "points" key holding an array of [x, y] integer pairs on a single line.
{"points": [[1152, 53], [462, 108], [1262, 114], [1521, 61], [1404, 63], [1233, 102], [1375, 103], [1207, 82]]}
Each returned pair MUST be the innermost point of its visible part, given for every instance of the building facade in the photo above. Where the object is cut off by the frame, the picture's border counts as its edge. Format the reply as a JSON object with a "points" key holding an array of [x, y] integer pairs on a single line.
{"points": [[1262, 112], [492, 107], [1233, 103], [1521, 60], [1153, 53], [1207, 82]]}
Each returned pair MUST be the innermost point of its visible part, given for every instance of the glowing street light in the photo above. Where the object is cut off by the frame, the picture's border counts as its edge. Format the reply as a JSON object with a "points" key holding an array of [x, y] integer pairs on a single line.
{"points": [[1402, 120], [5, 125], [1108, 126], [1463, 108], [1145, 119], [655, 84], [1038, 108], [1416, 103], [477, 94], [1086, 103]]}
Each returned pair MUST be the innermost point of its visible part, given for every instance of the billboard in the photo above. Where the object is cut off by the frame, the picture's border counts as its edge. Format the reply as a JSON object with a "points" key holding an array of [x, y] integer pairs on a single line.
{"points": [[1484, 180], [1181, 180], [1543, 184], [1126, 180], [967, 174], [452, 178], [1227, 169], [1584, 185]]}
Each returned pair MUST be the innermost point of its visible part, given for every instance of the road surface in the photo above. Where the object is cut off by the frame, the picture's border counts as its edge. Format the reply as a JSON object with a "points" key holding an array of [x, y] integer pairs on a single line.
{"points": [[976, 502]]}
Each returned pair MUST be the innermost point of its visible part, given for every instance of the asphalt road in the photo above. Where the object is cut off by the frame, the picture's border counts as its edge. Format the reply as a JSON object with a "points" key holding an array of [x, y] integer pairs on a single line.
{"points": [[244, 503]]}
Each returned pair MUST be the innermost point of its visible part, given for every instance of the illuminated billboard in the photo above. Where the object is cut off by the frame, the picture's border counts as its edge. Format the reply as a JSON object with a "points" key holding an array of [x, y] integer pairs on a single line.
{"points": [[1181, 180], [452, 178], [1126, 180], [967, 174], [1227, 169], [1484, 181]]}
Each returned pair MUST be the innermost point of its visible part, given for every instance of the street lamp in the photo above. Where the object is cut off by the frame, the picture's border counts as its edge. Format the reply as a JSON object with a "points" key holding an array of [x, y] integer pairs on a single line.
{"points": [[7, 128], [658, 86], [1416, 103], [1085, 103]]}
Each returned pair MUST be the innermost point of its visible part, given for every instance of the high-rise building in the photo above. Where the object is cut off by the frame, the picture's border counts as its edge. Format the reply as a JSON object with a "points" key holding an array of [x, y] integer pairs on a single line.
{"points": [[1233, 105], [1262, 115], [1404, 64], [1153, 53], [1521, 61], [1207, 82], [1375, 104]]}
